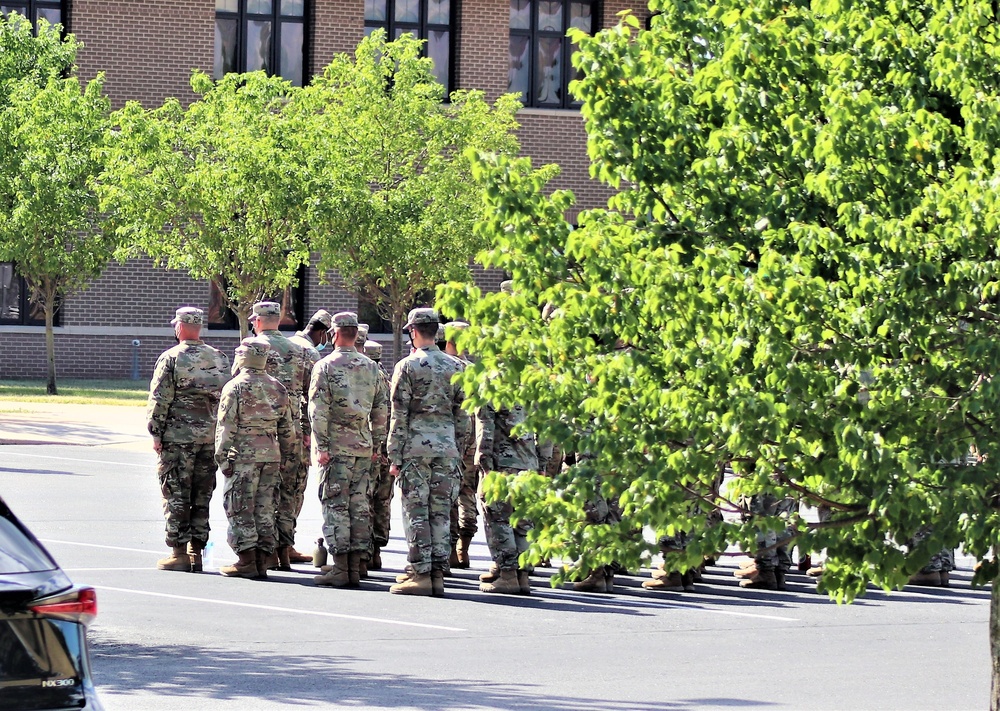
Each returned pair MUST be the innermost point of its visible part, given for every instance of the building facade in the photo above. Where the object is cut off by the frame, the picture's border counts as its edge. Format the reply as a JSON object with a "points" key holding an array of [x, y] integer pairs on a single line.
{"points": [[147, 50]]}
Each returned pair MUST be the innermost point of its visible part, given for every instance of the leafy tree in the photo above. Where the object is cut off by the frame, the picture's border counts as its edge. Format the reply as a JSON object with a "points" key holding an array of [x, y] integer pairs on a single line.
{"points": [[213, 189], [797, 280], [393, 201], [52, 133]]}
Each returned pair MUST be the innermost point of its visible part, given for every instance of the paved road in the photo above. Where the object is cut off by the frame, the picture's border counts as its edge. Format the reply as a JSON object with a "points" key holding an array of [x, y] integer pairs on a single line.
{"points": [[182, 641]]}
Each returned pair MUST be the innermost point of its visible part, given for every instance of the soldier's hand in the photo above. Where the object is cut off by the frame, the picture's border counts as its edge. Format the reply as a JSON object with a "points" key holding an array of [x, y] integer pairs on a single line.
{"points": [[394, 470], [157, 445], [226, 469], [323, 458], [306, 441]]}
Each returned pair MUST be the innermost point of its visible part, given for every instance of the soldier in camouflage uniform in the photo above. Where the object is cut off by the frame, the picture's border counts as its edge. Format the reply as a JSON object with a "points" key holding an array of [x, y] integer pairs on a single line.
{"points": [[316, 333], [290, 364], [254, 438], [380, 496], [464, 514], [498, 450], [772, 559], [183, 400], [348, 411], [427, 424]]}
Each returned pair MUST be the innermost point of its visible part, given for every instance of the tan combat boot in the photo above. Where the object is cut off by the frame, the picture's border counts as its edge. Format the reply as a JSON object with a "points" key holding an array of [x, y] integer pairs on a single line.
{"points": [[931, 579], [283, 561], [245, 567], [609, 582], [453, 561], [762, 580], [295, 557], [506, 583], [673, 582], [464, 545], [337, 576], [592, 583], [376, 560], [178, 560], [194, 551], [363, 567], [688, 581], [437, 583], [405, 575], [492, 574], [265, 561], [524, 582], [353, 569], [417, 584]]}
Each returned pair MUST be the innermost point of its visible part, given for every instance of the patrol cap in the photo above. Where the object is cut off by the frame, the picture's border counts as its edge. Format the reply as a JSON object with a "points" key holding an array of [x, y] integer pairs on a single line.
{"points": [[373, 349], [266, 309], [418, 316], [188, 314], [454, 327], [507, 286], [254, 352], [345, 319], [322, 318], [362, 334], [440, 334]]}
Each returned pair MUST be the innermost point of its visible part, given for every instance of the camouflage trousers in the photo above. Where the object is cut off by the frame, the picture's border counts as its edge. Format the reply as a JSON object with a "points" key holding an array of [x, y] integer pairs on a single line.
{"points": [[465, 514], [380, 502], [771, 554], [187, 480], [248, 498], [506, 542], [343, 492], [942, 561], [428, 486], [289, 497]]}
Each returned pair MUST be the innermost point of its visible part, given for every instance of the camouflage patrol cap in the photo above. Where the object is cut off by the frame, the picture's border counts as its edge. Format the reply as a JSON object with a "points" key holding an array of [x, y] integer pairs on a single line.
{"points": [[362, 334], [440, 334], [188, 314], [507, 286], [345, 319], [424, 315], [373, 349], [322, 318], [452, 328], [253, 351], [266, 309]]}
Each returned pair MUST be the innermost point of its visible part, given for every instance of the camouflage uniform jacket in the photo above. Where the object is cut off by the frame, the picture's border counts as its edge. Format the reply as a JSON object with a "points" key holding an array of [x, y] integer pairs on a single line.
{"points": [[497, 448], [312, 358], [348, 404], [255, 420], [290, 364], [427, 418], [184, 393], [469, 441]]}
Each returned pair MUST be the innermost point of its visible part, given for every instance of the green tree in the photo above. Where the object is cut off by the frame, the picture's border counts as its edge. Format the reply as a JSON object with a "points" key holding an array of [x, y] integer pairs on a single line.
{"points": [[52, 134], [797, 280], [393, 201], [213, 189]]}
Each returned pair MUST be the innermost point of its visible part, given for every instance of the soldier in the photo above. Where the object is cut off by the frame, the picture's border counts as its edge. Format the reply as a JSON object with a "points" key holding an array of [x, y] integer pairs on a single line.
{"points": [[348, 410], [464, 515], [183, 399], [254, 438], [362, 337], [498, 450], [427, 424], [292, 367], [316, 333], [380, 498]]}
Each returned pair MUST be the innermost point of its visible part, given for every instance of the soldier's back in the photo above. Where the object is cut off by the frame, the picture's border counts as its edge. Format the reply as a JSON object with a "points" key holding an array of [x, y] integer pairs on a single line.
{"points": [[426, 374]]}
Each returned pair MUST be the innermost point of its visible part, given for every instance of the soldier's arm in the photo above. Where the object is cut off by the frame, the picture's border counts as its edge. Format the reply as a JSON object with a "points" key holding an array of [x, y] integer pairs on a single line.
{"points": [[286, 432], [462, 420], [225, 428], [380, 413], [543, 450], [485, 428], [161, 395], [319, 412], [311, 359], [400, 395]]}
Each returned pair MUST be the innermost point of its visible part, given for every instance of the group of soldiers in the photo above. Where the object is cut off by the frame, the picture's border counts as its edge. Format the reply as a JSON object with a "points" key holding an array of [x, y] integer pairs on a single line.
{"points": [[281, 407]]}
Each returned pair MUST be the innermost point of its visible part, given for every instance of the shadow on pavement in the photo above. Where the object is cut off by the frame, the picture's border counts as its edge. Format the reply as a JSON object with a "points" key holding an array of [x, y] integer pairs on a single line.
{"points": [[13, 470], [190, 672]]}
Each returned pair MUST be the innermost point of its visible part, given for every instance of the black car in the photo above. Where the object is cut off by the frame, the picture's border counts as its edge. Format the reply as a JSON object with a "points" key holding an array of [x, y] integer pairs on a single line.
{"points": [[44, 659]]}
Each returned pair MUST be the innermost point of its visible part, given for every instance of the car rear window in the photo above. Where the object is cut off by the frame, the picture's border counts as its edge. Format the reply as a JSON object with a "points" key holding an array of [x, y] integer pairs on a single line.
{"points": [[18, 553]]}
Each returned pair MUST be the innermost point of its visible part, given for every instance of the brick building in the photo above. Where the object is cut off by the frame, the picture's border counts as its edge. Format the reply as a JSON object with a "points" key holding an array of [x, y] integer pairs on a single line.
{"points": [[147, 49]]}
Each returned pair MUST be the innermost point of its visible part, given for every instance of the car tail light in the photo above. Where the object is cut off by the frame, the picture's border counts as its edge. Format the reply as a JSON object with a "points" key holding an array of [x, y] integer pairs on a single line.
{"points": [[79, 606]]}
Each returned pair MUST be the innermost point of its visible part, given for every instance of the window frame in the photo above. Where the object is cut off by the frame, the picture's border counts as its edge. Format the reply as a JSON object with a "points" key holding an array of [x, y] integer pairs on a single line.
{"points": [[422, 29], [30, 8], [229, 321], [533, 34], [243, 17], [25, 306]]}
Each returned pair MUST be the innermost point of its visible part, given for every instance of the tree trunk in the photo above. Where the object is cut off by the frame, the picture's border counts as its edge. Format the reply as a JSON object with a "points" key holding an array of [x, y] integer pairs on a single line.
{"points": [[995, 644], [50, 343], [398, 320], [243, 316]]}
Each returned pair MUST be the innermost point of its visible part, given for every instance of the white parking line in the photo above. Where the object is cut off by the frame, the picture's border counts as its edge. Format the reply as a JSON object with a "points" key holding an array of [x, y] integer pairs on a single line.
{"points": [[77, 459], [88, 570], [273, 608], [666, 604], [94, 545]]}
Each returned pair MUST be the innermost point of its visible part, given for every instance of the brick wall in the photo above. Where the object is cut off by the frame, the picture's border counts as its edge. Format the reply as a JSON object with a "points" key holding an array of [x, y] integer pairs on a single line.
{"points": [[338, 26]]}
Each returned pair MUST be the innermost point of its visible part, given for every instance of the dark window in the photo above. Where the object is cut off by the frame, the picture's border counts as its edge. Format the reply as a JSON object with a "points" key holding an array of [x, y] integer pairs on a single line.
{"points": [[292, 302], [368, 312], [16, 305], [430, 20], [34, 10], [268, 35], [540, 51]]}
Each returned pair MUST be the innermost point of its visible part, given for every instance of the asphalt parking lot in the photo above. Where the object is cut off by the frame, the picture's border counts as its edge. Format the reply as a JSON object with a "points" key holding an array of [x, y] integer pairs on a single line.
{"points": [[167, 640]]}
